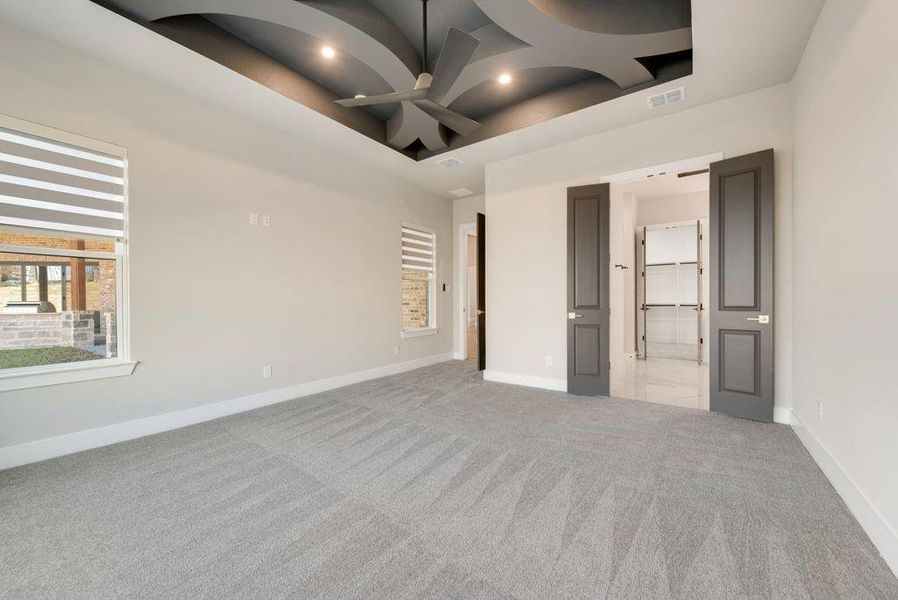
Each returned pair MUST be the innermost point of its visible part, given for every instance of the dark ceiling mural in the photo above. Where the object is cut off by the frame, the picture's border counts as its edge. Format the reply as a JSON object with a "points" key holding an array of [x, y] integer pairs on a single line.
{"points": [[506, 64]]}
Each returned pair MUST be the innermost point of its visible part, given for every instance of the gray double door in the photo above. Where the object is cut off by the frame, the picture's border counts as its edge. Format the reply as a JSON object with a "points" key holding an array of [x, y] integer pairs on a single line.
{"points": [[589, 314], [741, 295]]}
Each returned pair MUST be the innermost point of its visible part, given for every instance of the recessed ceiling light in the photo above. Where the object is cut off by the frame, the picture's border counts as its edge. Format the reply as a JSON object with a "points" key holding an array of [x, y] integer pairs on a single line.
{"points": [[328, 52], [505, 78]]}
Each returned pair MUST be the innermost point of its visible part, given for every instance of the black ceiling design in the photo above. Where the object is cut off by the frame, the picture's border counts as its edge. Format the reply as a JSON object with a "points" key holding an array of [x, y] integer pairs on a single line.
{"points": [[563, 55]]}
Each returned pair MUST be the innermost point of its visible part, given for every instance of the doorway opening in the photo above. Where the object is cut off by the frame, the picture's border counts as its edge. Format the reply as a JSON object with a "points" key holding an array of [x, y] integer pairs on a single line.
{"points": [[470, 308], [734, 199], [471, 303], [659, 284]]}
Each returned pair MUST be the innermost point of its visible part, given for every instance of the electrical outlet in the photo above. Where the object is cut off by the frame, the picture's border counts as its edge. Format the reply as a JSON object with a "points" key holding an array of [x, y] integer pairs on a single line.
{"points": [[266, 372], [548, 360], [266, 220], [253, 218], [396, 350], [820, 411]]}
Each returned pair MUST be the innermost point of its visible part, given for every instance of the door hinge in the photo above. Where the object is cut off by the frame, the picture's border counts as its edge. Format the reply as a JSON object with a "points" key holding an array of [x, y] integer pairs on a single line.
{"points": [[701, 340]]}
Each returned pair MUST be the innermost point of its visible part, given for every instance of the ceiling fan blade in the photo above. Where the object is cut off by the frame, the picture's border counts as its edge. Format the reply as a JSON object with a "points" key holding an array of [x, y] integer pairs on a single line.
{"points": [[451, 119], [384, 98], [458, 48]]}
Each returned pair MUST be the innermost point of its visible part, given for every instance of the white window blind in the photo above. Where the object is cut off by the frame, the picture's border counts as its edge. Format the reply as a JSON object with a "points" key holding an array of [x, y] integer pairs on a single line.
{"points": [[417, 249], [51, 185]]}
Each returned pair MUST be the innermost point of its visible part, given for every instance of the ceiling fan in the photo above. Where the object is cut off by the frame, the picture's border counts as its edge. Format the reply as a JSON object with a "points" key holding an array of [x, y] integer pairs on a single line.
{"points": [[430, 89]]}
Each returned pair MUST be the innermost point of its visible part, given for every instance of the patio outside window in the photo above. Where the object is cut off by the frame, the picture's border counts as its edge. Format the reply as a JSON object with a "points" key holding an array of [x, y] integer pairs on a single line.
{"points": [[56, 308]]}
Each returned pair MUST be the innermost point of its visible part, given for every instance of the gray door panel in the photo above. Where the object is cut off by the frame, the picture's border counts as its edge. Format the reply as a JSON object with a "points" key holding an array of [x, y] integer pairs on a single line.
{"points": [[741, 262], [481, 291], [588, 312]]}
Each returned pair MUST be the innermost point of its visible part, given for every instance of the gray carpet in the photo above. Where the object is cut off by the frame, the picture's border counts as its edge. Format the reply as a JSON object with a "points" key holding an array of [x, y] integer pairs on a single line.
{"points": [[436, 484]]}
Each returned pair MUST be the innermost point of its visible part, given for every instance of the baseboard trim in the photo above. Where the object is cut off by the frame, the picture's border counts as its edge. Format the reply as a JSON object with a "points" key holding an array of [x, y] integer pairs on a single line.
{"points": [[458, 355], [23, 454], [545, 383], [782, 415], [880, 532]]}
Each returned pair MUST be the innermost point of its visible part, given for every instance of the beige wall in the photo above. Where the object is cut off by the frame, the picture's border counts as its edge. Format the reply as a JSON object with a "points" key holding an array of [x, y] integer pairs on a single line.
{"points": [[525, 208], [320, 288], [846, 274]]}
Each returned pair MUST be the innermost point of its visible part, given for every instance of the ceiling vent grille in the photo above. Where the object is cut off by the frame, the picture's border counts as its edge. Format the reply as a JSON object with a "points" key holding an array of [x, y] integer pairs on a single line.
{"points": [[449, 162], [665, 98], [461, 192]]}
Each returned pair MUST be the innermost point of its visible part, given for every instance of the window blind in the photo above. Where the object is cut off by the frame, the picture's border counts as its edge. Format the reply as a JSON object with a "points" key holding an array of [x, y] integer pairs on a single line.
{"points": [[417, 249], [47, 184]]}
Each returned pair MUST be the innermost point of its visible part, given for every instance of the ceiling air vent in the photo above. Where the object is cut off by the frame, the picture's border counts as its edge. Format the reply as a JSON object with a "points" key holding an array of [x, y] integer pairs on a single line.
{"points": [[668, 97], [449, 162], [461, 192]]}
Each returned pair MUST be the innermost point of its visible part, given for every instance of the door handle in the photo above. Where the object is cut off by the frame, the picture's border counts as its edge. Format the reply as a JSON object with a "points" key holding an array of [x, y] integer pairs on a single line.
{"points": [[761, 319], [572, 315], [622, 267], [479, 312]]}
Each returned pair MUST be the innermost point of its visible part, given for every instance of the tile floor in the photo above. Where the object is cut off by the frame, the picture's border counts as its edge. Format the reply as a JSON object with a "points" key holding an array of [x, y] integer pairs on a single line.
{"points": [[662, 380]]}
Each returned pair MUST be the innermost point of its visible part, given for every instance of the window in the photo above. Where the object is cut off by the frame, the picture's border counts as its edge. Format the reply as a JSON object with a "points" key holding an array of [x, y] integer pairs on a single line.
{"points": [[62, 257], [418, 281]]}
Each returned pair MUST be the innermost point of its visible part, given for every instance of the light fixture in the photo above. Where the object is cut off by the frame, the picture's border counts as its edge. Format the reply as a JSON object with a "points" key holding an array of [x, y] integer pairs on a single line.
{"points": [[505, 78], [328, 52], [360, 96]]}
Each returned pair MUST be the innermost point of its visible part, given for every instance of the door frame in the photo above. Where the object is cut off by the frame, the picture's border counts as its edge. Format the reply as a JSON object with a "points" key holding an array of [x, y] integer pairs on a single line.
{"points": [[464, 230]]}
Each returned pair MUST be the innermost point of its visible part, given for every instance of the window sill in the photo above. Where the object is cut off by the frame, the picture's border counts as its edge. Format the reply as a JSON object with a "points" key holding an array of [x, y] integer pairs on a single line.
{"points": [[31, 377], [413, 333]]}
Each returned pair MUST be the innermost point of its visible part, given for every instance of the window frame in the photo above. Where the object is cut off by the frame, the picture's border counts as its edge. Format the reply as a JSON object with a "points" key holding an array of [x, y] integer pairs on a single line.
{"points": [[431, 328], [101, 368]]}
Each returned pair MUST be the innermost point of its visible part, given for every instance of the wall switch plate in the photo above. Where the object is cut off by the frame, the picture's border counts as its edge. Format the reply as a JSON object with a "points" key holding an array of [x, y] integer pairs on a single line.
{"points": [[266, 372], [548, 360], [820, 411], [253, 218], [396, 350], [266, 220]]}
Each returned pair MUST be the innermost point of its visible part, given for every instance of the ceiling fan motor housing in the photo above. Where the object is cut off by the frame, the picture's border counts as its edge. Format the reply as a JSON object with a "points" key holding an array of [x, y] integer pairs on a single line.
{"points": [[423, 82]]}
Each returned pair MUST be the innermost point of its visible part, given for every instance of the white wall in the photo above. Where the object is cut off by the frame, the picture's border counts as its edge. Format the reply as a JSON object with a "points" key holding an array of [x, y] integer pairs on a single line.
{"points": [[846, 273], [213, 299], [525, 208], [622, 282], [464, 212], [682, 207]]}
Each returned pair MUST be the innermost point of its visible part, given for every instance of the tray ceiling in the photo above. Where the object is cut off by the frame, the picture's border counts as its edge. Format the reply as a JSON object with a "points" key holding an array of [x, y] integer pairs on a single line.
{"points": [[562, 55]]}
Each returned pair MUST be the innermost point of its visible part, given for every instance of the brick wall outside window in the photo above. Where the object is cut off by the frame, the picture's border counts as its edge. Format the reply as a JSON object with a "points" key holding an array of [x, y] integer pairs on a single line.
{"points": [[415, 300]]}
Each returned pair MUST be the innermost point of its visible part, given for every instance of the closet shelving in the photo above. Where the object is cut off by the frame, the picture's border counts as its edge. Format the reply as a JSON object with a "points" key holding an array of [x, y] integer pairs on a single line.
{"points": [[669, 298]]}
